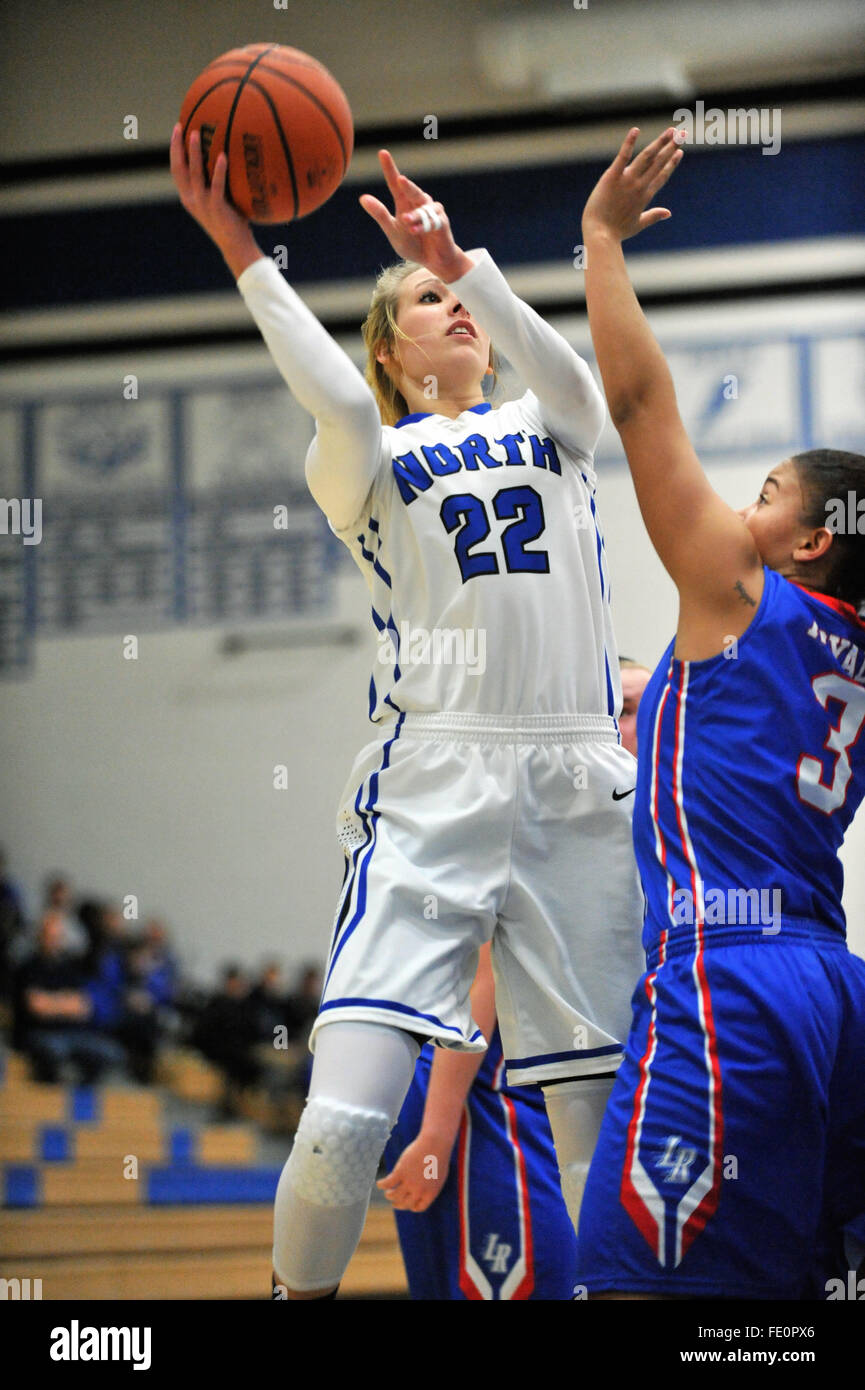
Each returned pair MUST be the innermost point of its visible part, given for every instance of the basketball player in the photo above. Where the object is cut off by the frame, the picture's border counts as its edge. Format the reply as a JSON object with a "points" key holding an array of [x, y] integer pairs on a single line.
{"points": [[484, 808], [734, 1139], [473, 1177]]}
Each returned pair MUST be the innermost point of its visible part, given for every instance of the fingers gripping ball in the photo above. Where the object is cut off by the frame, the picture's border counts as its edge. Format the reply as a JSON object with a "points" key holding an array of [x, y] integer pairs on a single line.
{"points": [[336, 1152], [284, 123]]}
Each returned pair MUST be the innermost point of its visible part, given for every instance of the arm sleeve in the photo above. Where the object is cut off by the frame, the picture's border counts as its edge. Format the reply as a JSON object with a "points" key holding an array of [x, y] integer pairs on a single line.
{"points": [[344, 456], [571, 404]]}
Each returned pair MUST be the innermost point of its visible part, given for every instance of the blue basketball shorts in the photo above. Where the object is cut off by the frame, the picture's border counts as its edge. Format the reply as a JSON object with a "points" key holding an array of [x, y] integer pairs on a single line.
{"points": [[734, 1139], [499, 1228]]}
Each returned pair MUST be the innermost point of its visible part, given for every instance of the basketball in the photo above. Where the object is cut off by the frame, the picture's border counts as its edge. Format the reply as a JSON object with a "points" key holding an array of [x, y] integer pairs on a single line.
{"points": [[284, 123]]}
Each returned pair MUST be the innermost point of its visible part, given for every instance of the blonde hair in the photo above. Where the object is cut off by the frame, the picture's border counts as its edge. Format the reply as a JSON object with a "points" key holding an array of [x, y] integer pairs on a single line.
{"points": [[380, 326]]}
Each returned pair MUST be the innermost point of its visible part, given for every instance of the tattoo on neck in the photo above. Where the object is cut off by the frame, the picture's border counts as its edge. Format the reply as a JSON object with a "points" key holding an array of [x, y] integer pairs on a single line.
{"points": [[743, 594]]}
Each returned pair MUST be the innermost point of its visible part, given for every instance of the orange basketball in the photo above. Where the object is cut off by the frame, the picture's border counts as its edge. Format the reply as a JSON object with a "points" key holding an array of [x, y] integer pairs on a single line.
{"points": [[284, 123]]}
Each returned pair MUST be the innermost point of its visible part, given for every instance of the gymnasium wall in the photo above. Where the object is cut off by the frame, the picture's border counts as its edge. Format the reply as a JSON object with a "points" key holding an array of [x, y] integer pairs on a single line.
{"points": [[154, 774]]}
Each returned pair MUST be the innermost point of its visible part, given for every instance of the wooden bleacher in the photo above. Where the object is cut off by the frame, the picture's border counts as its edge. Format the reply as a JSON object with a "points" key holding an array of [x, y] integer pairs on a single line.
{"points": [[88, 1232]]}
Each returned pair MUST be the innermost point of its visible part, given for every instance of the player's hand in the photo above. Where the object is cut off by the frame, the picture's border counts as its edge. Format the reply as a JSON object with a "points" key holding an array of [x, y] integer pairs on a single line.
{"points": [[418, 229], [208, 203], [417, 1177], [620, 199]]}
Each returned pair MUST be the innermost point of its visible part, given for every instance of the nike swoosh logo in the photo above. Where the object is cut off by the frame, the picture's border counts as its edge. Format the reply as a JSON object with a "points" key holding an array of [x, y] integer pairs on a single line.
{"points": [[620, 796]]}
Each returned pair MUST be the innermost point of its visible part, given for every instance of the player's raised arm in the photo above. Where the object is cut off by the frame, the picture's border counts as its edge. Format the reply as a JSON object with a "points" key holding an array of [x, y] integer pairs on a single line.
{"points": [[703, 543], [344, 456], [419, 230]]}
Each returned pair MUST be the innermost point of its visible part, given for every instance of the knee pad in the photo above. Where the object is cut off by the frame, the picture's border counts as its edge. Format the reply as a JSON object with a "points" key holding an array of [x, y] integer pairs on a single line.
{"points": [[336, 1152]]}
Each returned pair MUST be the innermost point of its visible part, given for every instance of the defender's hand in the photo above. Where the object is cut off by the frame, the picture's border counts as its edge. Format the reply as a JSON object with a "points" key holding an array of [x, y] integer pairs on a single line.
{"points": [[621, 196], [411, 1185]]}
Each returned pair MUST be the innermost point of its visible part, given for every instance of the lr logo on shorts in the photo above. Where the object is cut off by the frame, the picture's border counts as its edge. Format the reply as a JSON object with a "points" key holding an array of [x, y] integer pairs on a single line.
{"points": [[677, 1160], [496, 1254]]}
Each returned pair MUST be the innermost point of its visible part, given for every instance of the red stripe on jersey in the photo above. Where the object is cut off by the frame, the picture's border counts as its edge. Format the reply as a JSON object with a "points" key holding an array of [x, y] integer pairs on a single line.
{"points": [[467, 1283], [696, 1221], [527, 1283], [660, 844], [840, 606], [630, 1198]]}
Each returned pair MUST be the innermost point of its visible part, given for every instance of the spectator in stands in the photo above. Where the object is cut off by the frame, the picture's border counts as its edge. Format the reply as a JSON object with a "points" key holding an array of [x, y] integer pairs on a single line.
{"points": [[269, 1001], [138, 1028], [54, 1011], [303, 1002], [129, 980], [163, 975], [301, 1009], [227, 1033], [105, 963], [12, 926], [58, 899]]}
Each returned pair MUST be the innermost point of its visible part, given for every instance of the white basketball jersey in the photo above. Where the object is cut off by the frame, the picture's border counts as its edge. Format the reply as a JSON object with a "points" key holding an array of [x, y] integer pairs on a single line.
{"points": [[488, 579], [478, 536]]}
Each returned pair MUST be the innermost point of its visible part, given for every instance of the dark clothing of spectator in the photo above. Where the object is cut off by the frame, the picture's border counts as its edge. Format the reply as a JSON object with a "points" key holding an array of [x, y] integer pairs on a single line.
{"points": [[227, 1033], [106, 985], [271, 1012], [301, 1011], [12, 928], [50, 1039], [161, 980]]}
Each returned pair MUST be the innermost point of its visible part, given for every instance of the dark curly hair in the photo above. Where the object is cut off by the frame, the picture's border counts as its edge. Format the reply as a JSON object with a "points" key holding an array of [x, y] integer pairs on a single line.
{"points": [[828, 475]]}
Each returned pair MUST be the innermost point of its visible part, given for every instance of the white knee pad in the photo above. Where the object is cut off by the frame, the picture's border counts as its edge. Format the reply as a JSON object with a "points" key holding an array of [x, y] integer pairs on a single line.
{"points": [[336, 1152]]}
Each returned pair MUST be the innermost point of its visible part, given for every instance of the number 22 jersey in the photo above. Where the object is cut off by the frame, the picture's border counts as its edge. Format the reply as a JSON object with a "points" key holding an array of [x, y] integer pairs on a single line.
{"points": [[486, 567], [477, 536]]}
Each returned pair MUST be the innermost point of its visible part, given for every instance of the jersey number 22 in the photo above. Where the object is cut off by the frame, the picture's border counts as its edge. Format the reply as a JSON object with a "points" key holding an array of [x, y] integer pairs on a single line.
{"points": [[522, 504]]}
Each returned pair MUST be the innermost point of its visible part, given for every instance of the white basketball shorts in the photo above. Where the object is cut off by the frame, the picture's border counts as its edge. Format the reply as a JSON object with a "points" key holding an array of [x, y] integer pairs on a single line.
{"points": [[459, 829]]}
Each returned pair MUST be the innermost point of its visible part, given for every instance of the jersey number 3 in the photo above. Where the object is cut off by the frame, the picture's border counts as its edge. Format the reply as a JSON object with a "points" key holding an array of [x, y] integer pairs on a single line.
{"points": [[828, 796], [521, 503]]}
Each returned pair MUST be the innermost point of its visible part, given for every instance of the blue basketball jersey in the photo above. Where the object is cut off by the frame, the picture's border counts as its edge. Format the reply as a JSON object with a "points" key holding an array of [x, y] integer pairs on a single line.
{"points": [[751, 767]]}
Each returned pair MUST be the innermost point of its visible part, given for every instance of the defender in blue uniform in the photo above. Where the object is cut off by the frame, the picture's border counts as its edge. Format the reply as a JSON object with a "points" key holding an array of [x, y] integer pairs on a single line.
{"points": [[499, 1228], [733, 1147]]}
